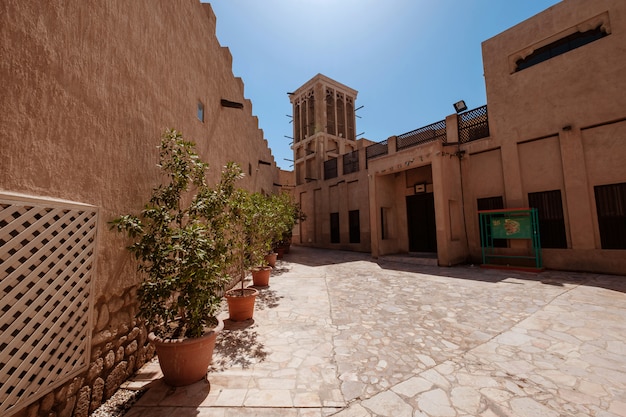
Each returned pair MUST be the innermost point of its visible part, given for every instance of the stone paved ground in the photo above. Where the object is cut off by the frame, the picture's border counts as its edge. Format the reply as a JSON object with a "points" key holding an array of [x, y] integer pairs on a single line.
{"points": [[337, 333]]}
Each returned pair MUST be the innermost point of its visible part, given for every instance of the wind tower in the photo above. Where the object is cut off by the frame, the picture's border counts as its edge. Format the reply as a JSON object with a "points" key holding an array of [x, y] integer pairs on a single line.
{"points": [[324, 123]]}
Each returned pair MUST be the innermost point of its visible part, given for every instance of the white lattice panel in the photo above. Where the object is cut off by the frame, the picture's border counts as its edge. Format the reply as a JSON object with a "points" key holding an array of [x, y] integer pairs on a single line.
{"points": [[46, 263]]}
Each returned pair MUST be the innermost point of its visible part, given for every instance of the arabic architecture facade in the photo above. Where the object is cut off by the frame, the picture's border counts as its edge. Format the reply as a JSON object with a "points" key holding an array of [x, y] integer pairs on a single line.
{"points": [[89, 86], [552, 136]]}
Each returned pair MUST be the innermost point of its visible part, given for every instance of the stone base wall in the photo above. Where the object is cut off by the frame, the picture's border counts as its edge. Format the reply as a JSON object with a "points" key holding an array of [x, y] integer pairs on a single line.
{"points": [[119, 348]]}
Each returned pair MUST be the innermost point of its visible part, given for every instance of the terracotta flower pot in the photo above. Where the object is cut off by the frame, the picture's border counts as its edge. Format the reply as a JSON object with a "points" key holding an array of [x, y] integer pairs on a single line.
{"points": [[185, 361], [261, 276], [241, 307], [271, 259]]}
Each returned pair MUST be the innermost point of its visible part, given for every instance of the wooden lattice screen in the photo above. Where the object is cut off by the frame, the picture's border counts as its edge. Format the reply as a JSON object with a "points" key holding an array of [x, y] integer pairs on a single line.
{"points": [[47, 253]]}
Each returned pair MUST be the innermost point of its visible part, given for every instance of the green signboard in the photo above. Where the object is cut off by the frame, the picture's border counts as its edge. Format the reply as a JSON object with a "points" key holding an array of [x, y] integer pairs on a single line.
{"points": [[511, 227]]}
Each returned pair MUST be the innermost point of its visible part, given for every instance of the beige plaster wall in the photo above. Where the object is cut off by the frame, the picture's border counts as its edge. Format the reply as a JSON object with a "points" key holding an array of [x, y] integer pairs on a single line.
{"points": [[88, 88], [559, 124], [578, 88], [319, 198]]}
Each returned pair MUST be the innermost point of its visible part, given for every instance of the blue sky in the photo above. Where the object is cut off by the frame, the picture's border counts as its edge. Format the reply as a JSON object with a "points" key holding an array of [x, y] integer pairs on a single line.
{"points": [[410, 60]]}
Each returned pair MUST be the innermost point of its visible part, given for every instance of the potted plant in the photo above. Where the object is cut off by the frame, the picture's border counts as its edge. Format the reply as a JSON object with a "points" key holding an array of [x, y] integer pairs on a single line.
{"points": [[264, 220], [241, 300], [289, 214], [180, 241], [269, 218]]}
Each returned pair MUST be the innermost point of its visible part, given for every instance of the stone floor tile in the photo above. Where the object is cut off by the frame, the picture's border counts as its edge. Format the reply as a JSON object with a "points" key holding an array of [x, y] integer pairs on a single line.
{"points": [[231, 398], [412, 387], [355, 410], [268, 398], [394, 338], [388, 404]]}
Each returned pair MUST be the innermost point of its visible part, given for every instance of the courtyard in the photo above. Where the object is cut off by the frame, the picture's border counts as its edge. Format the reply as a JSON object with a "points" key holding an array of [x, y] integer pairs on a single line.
{"points": [[343, 334]]}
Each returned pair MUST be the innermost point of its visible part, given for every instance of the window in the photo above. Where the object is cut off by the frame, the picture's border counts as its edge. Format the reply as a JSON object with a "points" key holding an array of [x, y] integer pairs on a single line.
{"points": [[350, 118], [566, 44], [296, 123], [611, 207], [334, 228], [350, 162], [330, 111], [355, 226], [491, 203], [551, 221], [310, 118], [200, 113], [341, 117], [330, 169]]}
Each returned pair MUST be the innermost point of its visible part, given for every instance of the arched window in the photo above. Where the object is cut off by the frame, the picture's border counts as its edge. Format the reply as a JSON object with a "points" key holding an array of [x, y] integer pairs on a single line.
{"points": [[341, 117], [296, 123], [311, 115], [330, 112], [350, 118]]}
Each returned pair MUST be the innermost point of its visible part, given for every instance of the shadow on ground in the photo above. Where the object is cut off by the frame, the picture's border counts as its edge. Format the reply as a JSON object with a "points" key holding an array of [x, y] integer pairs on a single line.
{"points": [[237, 345], [267, 298], [315, 257]]}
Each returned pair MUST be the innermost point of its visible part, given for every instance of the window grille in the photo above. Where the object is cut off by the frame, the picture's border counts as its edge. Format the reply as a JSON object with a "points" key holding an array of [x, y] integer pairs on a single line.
{"points": [[350, 119], [473, 125], [296, 124], [330, 111], [351, 162], [330, 169], [430, 133], [46, 264], [611, 207], [341, 117], [549, 207]]}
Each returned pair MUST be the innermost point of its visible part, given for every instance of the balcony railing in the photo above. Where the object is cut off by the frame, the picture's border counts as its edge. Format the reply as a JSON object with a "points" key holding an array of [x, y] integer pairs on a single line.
{"points": [[430, 133], [473, 125], [377, 149]]}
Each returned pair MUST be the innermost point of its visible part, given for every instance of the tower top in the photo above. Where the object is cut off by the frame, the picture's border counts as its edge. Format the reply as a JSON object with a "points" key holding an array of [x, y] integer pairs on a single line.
{"points": [[321, 79]]}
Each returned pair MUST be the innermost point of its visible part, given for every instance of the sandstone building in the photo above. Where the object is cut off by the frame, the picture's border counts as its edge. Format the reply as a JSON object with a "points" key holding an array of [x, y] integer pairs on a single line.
{"points": [[89, 86], [551, 137]]}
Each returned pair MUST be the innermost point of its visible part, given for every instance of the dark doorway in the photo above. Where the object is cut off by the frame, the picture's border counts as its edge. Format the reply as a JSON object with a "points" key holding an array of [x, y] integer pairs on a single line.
{"points": [[420, 211]]}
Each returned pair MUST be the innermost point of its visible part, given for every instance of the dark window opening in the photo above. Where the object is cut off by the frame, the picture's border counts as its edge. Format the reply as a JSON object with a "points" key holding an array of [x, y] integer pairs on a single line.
{"points": [[355, 226], [341, 118], [573, 41], [200, 112], [384, 218], [549, 207], [311, 116], [350, 120], [611, 207], [330, 112], [334, 228], [296, 123], [330, 169], [350, 162], [491, 203]]}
